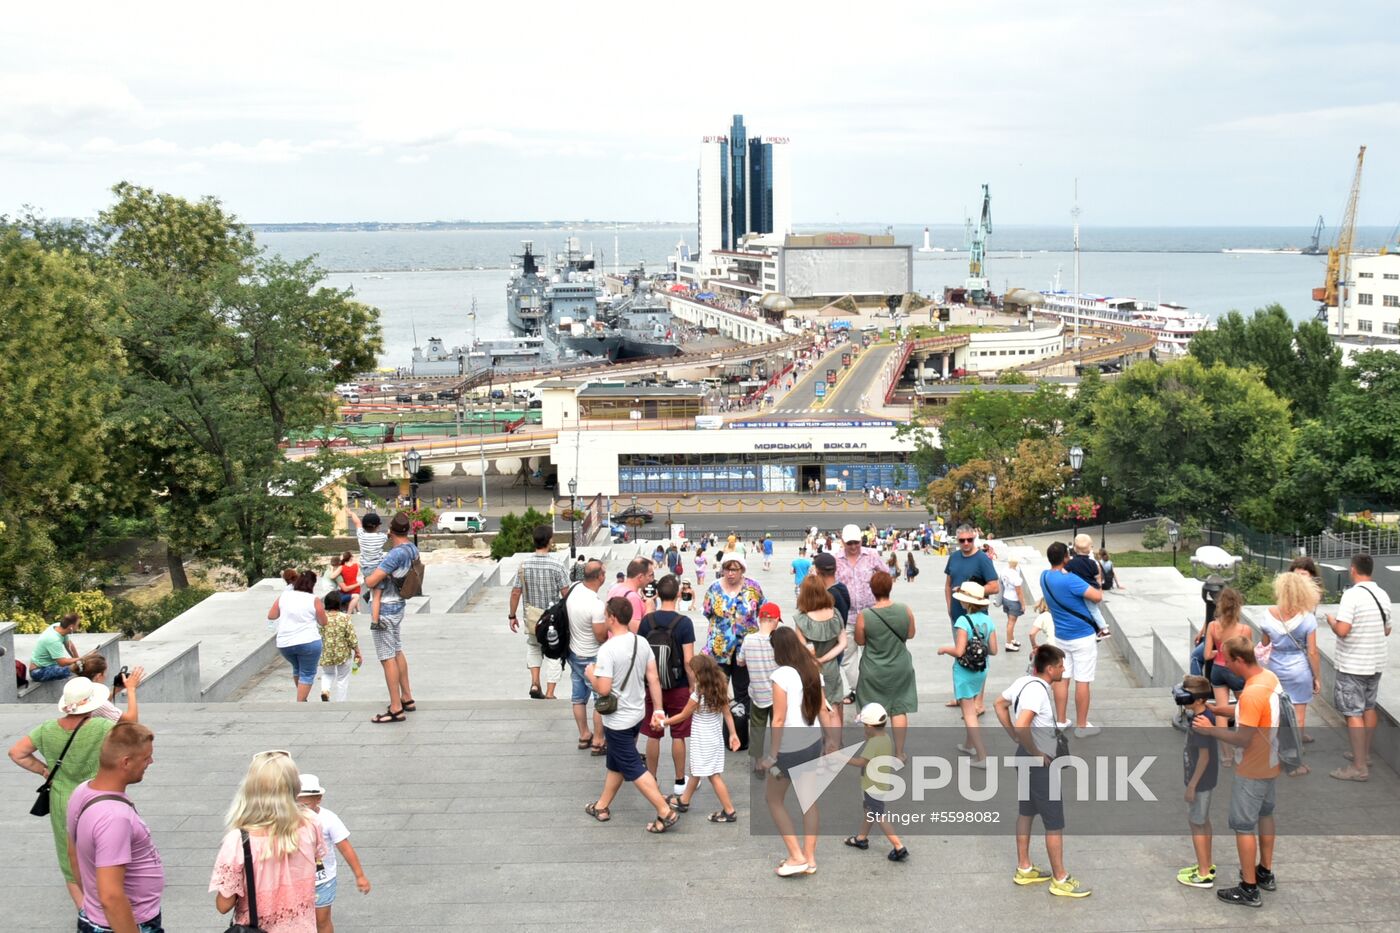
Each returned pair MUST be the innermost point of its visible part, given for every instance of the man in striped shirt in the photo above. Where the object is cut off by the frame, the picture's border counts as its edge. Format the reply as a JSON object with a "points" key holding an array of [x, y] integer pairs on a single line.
{"points": [[1361, 625], [540, 582]]}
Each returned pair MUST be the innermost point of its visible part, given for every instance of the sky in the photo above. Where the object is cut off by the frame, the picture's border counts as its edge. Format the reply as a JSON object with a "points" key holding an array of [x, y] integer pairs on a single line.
{"points": [[1168, 114]]}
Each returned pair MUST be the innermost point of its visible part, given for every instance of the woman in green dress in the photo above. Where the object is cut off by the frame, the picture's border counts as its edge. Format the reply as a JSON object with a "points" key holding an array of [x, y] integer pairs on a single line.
{"points": [[886, 666], [825, 631], [43, 747]]}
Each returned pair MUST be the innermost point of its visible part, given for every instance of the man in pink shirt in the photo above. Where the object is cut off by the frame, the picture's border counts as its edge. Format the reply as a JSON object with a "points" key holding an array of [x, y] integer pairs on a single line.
{"points": [[855, 565], [109, 845], [640, 572]]}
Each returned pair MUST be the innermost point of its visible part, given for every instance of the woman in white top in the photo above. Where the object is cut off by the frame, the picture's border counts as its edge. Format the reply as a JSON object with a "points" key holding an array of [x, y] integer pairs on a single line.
{"points": [[299, 616], [1013, 600], [796, 739]]}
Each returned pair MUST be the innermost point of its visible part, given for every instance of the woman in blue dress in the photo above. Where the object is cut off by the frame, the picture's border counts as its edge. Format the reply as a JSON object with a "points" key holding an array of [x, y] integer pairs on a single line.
{"points": [[1289, 628], [968, 684]]}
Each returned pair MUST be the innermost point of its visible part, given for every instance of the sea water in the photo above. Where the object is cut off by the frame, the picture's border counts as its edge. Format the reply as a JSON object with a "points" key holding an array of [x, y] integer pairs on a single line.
{"points": [[424, 281]]}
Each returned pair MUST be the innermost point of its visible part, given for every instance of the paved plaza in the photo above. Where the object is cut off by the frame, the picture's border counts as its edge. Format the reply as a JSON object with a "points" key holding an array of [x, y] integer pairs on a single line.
{"points": [[470, 815]]}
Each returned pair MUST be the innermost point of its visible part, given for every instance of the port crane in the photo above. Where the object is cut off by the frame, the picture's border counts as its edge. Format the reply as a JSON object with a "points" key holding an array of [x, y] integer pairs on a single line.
{"points": [[1332, 293], [978, 284], [1314, 248]]}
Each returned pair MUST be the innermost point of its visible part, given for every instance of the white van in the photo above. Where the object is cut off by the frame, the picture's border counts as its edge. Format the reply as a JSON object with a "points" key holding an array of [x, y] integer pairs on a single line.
{"points": [[461, 521]]}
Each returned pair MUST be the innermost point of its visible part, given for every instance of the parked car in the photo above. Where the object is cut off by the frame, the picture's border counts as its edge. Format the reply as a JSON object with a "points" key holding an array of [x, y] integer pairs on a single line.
{"points": [[522, 395], [447, 393], [461, 521], [369, 388], [498, 395], [403, 398], [635, 512], [425, 396]]}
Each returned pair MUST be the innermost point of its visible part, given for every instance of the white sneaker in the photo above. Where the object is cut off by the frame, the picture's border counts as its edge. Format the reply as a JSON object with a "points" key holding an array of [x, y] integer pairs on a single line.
{"points": [[1062, 726], [1088, 729], [966, 749], [979, 765], [1013, 646], [679, 788]]}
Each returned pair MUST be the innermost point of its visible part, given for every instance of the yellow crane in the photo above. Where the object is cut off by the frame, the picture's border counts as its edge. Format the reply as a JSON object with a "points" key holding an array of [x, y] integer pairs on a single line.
{"points": [[1339, 256]]}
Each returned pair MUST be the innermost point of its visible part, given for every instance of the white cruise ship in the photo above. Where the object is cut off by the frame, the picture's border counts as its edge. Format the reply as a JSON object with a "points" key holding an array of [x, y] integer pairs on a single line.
{"points": [[1174, 325]]}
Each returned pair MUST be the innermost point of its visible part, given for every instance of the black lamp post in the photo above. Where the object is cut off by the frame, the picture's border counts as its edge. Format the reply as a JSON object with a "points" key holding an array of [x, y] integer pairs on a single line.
{"points": [[992, 494], [1174, 535], [1103, 514], [573, 514], [1076, 463], [412, 462]]}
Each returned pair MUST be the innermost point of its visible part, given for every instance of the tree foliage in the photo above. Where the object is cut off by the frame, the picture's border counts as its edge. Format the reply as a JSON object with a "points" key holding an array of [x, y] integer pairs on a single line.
{"points": [[516, 532], [1298, 362], [1189, 439], [989, 424], [60, 372]]}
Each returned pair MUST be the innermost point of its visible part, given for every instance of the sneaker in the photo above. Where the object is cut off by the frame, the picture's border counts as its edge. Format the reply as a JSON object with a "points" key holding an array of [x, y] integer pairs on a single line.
{"points": [[679, 787], [966, 749], [1238, 895], [1087, 730], [1062, 726], [1266, 879], [1013, 646], [980, 764], [1030, 875], [1192, 877], [1068, 888], [325, 696]]}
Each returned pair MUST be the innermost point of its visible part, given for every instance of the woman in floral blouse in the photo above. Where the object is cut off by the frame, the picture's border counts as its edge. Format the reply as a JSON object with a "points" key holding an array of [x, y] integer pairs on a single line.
{"points": [[731, 605]]}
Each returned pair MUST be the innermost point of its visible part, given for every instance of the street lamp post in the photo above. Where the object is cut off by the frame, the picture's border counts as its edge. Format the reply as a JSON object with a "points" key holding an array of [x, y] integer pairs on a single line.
{"points": [[992, 494], [1174, 535], [668, 522], [1103, 514], [412, 462], [573, 514], [481, 452], [1076, 463]]}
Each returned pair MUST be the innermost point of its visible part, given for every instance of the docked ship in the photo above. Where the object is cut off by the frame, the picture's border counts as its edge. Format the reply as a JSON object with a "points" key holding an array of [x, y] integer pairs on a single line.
{"points": [[645, 324], [1173, 325], [506, 353], [562, 309]]}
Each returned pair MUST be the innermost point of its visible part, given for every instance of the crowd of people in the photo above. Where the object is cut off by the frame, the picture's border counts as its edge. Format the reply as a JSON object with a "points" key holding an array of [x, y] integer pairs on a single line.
{"points": [[754, 678]]}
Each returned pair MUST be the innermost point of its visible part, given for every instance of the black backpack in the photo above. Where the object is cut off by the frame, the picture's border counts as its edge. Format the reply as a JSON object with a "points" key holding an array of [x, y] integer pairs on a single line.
{"points": [[974, 656], [1108, 576], [552, 629], [670, 659]]}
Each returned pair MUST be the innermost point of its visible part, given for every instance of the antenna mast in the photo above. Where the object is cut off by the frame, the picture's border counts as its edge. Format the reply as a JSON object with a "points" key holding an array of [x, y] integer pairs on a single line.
{"points": [[1075, 214]]}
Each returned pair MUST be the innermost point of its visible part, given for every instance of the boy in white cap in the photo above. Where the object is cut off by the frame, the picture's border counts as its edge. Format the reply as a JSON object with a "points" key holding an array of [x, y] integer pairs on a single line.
{"points": [[877, 746], [337, 838]]}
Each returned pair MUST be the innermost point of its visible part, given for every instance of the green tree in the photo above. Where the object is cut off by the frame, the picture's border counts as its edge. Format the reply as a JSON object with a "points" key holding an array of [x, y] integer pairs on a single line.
{"points": [[515, 534], [1193, 440], [989, 424], [1298, 362], [60, 371]]}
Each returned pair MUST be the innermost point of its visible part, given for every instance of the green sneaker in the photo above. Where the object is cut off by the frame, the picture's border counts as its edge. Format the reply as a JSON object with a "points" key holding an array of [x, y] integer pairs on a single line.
{"points": [[1192, 876], [1030, 875], [1068, 888]]}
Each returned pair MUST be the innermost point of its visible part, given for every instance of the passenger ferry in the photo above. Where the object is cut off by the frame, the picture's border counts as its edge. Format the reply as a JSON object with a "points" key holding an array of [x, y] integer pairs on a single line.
{"points": [[1174, 325]]}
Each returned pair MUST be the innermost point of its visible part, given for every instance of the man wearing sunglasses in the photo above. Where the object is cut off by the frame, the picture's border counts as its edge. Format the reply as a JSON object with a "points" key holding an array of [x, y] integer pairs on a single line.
{"points": [[966, 563]]}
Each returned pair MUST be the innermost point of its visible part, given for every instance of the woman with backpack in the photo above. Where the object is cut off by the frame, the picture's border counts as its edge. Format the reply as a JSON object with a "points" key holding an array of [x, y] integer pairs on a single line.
{"points": [[1106, 572], [886, 666], [975, 641]]}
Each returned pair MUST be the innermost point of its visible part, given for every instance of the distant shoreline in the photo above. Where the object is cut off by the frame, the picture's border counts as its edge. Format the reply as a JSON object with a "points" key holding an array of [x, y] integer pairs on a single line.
{"points": [[373, 226]]}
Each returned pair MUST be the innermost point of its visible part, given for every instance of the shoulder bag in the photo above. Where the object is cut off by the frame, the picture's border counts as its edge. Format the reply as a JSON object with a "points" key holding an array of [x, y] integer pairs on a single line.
{"points": [[879, 615], [250, 889], [1385, 616], [1061, 740], [606, 705], [41, 805]]}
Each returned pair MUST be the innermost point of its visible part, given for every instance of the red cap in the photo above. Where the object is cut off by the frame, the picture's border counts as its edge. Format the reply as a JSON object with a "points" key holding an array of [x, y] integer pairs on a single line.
{"points": [[770, 611]]}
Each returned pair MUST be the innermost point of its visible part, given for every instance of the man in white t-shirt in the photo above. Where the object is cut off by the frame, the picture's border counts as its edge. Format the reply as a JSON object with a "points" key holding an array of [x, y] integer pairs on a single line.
{"points": [[1361, 625], [587, 629], [627, 668], [1027, 712]]}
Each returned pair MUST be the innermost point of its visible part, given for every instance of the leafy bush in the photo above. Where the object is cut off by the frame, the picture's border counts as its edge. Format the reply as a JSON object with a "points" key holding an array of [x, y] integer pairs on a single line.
{"points": [[26, 622], [134, 619], [515, 534], [1154, 536], [94, 607]]}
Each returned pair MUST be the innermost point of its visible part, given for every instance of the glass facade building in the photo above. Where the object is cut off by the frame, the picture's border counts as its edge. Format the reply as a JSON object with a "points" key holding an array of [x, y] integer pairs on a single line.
{"points": [[738, 181], [760, 186], [731, 472]]}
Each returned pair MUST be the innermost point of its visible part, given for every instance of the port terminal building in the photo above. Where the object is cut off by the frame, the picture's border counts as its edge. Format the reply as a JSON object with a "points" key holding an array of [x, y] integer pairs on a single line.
{"points": [[661, 446]]}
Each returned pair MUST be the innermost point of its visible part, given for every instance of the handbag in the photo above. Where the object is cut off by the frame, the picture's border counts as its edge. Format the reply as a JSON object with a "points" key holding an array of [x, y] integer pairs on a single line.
{"points": [[606, 705], [41, 805], [250, 888]]}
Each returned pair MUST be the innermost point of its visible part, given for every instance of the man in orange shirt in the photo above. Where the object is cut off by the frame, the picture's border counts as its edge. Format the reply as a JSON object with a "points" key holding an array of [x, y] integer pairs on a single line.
{"points": [[1252, 791]]}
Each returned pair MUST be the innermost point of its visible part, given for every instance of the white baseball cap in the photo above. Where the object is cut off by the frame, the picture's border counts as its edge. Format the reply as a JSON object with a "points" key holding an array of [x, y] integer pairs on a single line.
{"points": [[873, 714], [850, 533]]}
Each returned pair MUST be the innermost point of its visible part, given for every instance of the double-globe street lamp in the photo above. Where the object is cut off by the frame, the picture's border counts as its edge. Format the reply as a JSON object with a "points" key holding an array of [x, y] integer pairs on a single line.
{"points": [[412, 463], [1174, 535]]}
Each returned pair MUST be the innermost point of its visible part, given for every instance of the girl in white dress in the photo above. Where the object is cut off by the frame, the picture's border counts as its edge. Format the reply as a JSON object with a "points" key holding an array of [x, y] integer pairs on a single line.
{"points": [[704, 750]]}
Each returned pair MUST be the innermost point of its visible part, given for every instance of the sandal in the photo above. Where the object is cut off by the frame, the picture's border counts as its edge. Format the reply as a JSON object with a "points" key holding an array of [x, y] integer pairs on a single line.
{"points": [[389, 716], [1300, 771], [601, 814], [599, 750], [1351, 774], [536, 693], [723, 816], [675, 803], [855, 842], [661, 823], [409, 706], [585, 742]]}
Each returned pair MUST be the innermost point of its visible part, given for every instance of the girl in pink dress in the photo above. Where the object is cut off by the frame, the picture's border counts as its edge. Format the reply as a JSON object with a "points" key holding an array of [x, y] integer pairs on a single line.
{"points": [[287, 844]]}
